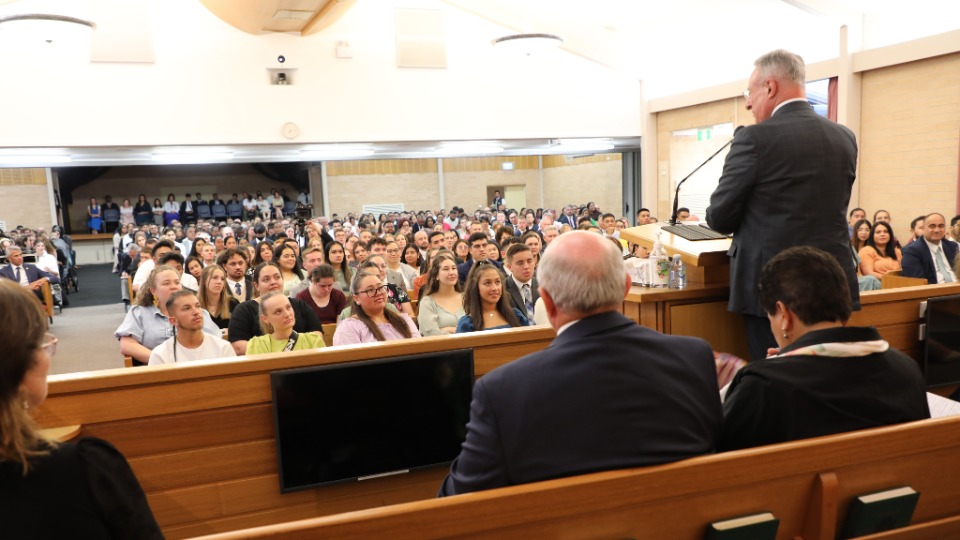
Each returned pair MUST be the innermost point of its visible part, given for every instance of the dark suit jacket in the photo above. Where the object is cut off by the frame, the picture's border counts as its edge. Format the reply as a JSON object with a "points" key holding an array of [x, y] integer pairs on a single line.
{"points": [[464, 268], [516, 298], [192, 215], [569, 220], [918, 262], [786, 182], [33, 273], [606, 394]]}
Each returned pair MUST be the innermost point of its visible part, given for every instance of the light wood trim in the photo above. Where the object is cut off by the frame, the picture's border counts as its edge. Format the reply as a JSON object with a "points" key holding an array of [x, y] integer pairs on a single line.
{"points": [[701, 489], [47, 299], [890, 281], [328, 331], [206, 465], [61, 434], [372, 167], [821, 523], [551, 162]]}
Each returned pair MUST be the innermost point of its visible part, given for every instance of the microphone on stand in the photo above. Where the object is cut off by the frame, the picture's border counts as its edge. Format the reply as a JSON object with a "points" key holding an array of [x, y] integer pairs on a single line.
{"points": [[676, 195]]}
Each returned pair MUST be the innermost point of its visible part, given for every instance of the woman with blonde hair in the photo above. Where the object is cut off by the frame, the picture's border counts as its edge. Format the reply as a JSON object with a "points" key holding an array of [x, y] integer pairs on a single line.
{"points": [[214, 297], [277, 318], [84, 489]]}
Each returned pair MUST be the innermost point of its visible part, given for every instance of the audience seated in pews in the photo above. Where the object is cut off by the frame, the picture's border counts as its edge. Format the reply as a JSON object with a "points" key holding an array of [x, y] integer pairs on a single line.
{"points": [[485, 305], [147, 324], [310, 258], [26, 274], [521, 284], [879, 255], [441, 302], [826, 377], [606, 394], [145, 268], [214, 297], [933, 258], [84, 489], [277, 320], [189, 341], [370, 320], [322, 295], [245, 319]]}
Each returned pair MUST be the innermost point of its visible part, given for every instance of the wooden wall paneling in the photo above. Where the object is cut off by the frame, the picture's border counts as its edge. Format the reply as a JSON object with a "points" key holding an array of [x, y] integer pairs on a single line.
{"points": [[206, 465], [886, 313], [712, 322], [126, 403], [187, 431]]}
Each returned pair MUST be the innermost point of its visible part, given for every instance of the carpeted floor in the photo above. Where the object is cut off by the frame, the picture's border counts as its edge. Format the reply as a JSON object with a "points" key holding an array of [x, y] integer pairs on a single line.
{"points": [[85, 327], [98, 286]]}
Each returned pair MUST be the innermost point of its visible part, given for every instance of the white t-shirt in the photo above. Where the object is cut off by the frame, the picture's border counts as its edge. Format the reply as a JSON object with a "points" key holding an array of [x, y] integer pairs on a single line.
{"points": [[212, 347], [143, 272]]}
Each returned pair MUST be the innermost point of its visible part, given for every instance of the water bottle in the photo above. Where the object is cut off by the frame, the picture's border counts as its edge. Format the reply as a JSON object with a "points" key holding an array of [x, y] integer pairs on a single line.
{"points": [[678, 273], [659, 265]]}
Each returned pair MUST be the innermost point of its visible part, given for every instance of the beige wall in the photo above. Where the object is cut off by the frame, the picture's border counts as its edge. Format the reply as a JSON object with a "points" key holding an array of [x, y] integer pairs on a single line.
{"points": [[706, 114], [415, 183], [910, 135], [24, 199], [909, 139], [597, 179]]}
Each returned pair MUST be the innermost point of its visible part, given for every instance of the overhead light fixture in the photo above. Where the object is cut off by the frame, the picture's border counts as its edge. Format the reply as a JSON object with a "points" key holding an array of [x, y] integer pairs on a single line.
{"points": [[468, 150], [344, 153], [46, 27], [38, 160], [192, 157], [528, 44], [581, 145]]}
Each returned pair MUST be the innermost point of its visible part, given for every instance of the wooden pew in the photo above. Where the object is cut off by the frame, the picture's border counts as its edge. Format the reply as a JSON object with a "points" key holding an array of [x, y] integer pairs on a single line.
{"points": [[807, 484], [48, 300], [200, 436], [894, 280]]}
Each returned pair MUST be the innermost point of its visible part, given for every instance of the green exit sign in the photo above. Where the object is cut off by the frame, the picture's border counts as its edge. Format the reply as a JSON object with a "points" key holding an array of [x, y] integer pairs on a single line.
{"points": [[703, 134]]}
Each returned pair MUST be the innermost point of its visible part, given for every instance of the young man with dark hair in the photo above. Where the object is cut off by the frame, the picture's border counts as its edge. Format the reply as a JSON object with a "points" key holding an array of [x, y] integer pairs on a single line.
{"points": [[478, 252], [522, 285]]}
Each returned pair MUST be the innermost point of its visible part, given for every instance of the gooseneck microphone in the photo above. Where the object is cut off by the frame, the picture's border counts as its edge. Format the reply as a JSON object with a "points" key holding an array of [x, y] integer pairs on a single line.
{"points": [[676, 195]]}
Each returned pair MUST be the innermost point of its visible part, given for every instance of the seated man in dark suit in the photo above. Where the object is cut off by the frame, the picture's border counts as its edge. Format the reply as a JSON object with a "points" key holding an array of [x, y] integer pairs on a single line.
{"points": [[188, 210], [521, 283], [478, 252], [26, 274], [606, 394], [933, 257]]}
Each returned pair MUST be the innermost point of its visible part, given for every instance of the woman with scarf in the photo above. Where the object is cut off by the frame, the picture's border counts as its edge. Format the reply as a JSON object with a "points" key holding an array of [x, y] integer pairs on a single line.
{"points": [[826, 377]]}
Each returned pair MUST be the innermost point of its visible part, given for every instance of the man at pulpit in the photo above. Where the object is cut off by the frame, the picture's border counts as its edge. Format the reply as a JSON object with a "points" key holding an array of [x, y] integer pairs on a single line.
{"points": [[786, 182]]}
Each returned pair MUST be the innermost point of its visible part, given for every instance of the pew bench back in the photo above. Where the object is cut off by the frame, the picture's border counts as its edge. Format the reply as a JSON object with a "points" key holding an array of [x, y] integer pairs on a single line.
{"points": [[200, 435]]}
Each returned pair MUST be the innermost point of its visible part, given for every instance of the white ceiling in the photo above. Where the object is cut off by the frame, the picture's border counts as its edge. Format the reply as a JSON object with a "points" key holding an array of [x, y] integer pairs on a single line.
{"points": [[673, 46]]}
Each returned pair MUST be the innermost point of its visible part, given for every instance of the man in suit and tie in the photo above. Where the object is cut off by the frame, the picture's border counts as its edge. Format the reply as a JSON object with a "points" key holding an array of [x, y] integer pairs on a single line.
{"points": [[931, 258], [606, 394], [569, 216], [786, 182], [188, 210], [521, 283], [26, 274], [234, 263]]}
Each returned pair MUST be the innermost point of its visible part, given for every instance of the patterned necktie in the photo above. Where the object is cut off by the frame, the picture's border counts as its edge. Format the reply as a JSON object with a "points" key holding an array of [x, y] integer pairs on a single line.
{"points": [[942, 266], [528, 300], [236, 286]]}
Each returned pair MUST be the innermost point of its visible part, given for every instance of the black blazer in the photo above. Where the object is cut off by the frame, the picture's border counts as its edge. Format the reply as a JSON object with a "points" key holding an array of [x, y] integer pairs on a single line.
{"points": [[786, 182], [918, 262], [606, 394], [516, 297]]}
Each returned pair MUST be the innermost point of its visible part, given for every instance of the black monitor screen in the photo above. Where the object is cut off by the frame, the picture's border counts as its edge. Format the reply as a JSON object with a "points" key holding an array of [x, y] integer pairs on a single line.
{"points": [[942, 357], [353, 421]]}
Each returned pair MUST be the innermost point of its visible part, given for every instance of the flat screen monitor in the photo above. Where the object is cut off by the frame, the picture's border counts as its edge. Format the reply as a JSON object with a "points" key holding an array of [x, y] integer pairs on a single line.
{"points": [[361, 420], [941, 361]]}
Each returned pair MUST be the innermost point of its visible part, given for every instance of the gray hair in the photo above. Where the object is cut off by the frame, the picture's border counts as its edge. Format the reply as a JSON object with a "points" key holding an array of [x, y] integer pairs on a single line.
{"points": [[550, 228], [582, 284], [13, 247], [783, 65]]}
